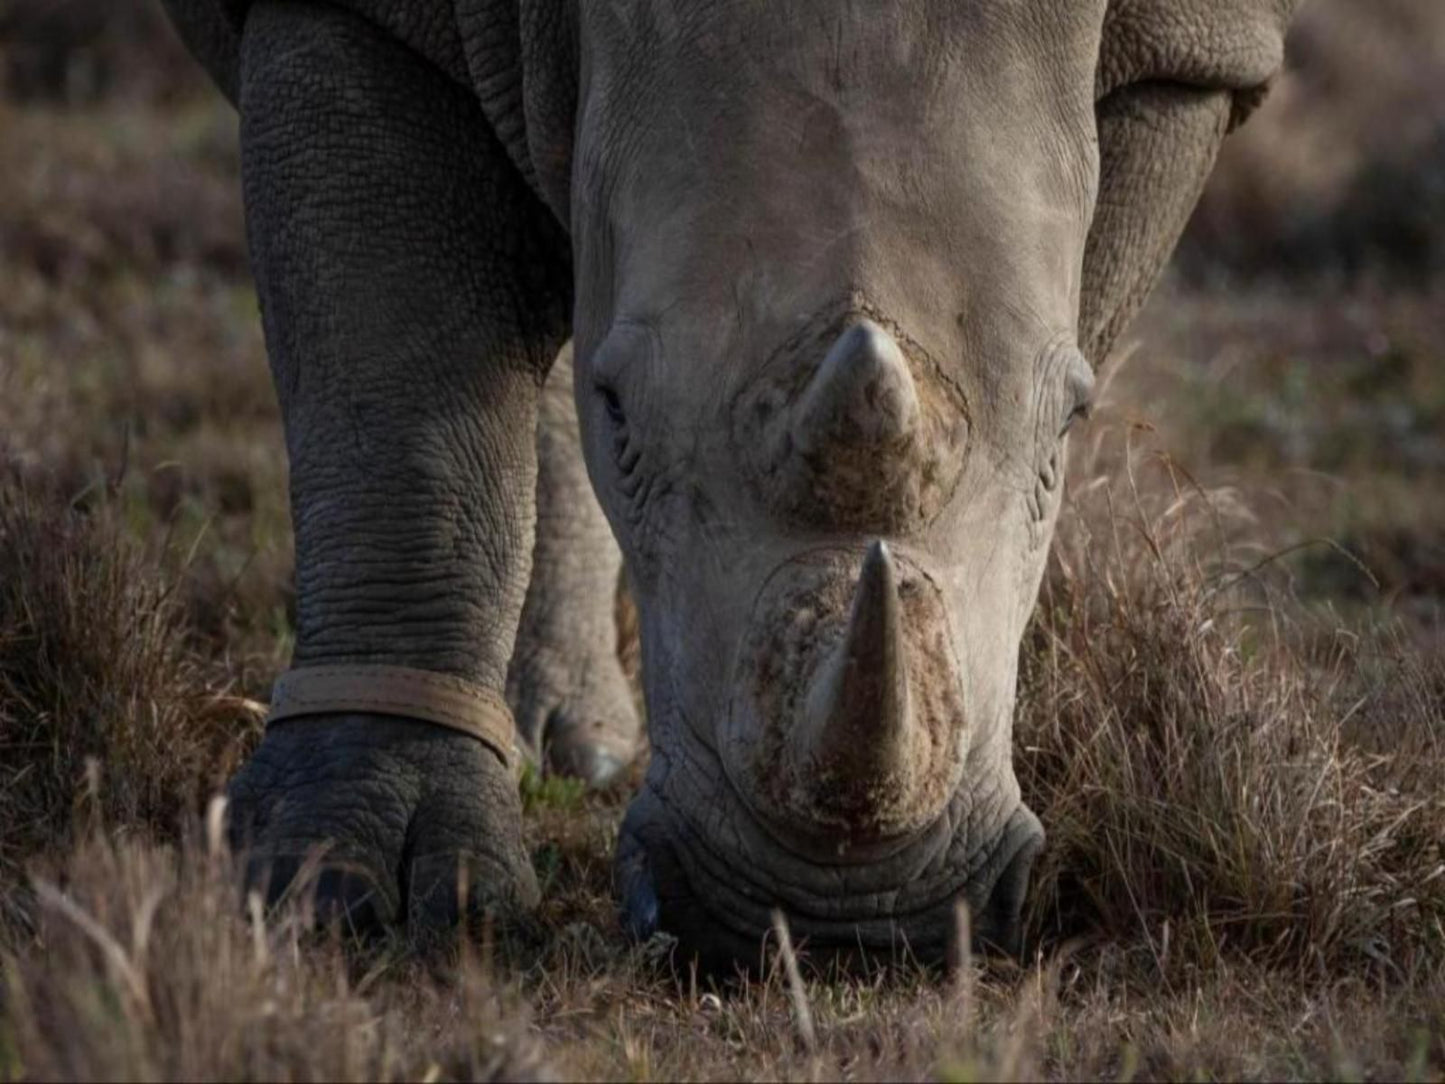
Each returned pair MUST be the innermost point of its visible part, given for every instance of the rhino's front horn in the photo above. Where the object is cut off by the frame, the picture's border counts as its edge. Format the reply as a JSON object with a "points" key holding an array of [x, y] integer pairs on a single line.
{"points": [[862, 393], [857, 715]]}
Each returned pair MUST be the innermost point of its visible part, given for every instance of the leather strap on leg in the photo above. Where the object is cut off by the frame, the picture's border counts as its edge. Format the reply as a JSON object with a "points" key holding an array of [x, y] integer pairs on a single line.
{"points": [[422, 695]]}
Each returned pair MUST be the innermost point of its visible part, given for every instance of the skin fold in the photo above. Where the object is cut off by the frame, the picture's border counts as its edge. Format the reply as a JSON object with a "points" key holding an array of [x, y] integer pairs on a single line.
{"points": [[565, 684], [834, 275]]}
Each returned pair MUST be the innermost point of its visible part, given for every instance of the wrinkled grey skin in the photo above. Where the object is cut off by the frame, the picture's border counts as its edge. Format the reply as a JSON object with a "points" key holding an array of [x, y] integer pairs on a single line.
{"points": [[565, 684], [832, 270]]}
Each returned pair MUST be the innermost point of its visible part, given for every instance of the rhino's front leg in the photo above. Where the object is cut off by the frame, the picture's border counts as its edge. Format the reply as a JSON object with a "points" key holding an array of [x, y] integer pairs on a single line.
{"points": [[413, 294], [566, 685]]}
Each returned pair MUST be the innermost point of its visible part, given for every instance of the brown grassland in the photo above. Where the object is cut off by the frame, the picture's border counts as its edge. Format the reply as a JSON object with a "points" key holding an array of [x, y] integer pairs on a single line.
{"points": [[1232, 713]]}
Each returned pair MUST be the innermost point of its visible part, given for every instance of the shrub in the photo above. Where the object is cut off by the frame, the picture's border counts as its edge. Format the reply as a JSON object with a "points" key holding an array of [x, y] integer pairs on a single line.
{"points": [[1213, 790], [107, 715], [146, 967]]}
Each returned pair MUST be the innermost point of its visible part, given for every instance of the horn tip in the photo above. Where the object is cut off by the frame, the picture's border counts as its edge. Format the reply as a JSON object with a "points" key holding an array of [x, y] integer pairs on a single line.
{"points": [[877, 592], [879, 558]]}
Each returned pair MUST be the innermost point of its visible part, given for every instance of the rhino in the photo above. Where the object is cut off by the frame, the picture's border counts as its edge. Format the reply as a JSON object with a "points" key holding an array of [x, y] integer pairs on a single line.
{"points": [[788, 307]]}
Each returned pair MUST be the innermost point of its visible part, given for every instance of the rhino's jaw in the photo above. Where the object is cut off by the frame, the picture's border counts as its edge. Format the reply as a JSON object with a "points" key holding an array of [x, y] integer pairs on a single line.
{"points": [[692, 862]]}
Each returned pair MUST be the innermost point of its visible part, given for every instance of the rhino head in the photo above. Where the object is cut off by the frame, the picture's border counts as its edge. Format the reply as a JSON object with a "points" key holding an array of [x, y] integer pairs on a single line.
{"points": [[840, 268]]}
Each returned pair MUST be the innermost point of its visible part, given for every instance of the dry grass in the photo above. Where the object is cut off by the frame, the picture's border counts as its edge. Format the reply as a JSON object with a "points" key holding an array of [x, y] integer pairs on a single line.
{"points": [[1230, 729], [1327, 407], [106, 713], [152, 970], [1216, 782], [1244, 878]]}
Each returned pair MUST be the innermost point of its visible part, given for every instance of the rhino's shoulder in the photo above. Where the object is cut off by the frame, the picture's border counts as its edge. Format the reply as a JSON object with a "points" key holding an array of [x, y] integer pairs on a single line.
{"points": [[506, 52], [211, 30]]}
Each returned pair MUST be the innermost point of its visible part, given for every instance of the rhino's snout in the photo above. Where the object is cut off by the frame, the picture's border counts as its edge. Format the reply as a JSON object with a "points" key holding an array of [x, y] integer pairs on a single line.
{"points": [[840, 758], [669, 878]]}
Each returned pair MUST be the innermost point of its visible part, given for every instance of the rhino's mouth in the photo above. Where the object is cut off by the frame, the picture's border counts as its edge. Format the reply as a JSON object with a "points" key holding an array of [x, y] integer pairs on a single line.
{"points": [[693, 862]]}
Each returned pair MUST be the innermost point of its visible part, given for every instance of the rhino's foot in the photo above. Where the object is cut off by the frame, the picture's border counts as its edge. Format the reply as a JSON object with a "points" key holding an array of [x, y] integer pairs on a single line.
{"points": [[576, 711], [401, 821]]}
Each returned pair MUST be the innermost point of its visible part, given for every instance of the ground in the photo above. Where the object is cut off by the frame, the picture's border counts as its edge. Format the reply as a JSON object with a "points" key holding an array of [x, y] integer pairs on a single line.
{"points": [[1232, 702]]}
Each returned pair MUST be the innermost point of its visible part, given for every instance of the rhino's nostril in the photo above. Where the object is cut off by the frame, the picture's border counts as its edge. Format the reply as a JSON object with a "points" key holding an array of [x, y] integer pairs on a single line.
{"points": [[999, 925], [636, 892]]}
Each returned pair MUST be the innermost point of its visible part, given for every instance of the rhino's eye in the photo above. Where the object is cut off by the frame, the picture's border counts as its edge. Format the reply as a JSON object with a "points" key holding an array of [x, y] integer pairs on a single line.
{"points": [[613, 405], [626, 448], [1080, 411], [618, 368], [1079, 392]]}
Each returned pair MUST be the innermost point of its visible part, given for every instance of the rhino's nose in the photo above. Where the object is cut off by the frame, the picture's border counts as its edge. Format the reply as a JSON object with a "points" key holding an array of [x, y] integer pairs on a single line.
{"points": [[862, 393]]}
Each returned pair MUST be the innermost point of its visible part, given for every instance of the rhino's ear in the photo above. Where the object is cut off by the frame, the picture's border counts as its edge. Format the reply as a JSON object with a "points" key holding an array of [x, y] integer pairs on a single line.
{"points": [[550, 61], [1174, 77], [523, 57], [1229, 45]]}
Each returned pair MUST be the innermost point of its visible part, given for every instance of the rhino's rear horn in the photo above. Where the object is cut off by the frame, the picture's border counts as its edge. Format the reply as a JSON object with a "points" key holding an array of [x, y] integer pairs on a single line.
{"points": [[862, 393]]}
